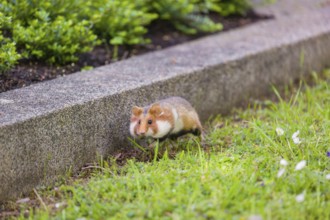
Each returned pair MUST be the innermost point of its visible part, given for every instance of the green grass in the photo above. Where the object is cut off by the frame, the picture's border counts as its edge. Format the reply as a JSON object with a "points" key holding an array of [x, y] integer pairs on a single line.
{"points": [[235, 178]]}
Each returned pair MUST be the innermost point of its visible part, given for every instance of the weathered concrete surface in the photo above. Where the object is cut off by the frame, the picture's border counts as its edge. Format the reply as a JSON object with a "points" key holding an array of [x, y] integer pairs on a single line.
{"points": [[284, 8], [48, 128]]}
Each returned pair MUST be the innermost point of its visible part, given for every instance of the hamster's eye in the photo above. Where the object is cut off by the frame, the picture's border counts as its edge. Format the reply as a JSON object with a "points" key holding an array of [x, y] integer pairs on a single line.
{"points": [[149, 121], [139, 122]]}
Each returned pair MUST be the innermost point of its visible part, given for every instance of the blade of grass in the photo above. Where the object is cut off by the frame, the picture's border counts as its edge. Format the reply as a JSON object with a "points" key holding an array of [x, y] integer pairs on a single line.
{"points": [[156, 151], [136, 144]]}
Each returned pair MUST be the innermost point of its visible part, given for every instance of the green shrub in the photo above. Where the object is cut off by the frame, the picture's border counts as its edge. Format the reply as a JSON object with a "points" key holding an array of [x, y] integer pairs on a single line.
{"points": [[56, 41], [121, 22], [229, 7], [186, 15], [25, 10], [224, 7], [8, 54], [50, 30]]}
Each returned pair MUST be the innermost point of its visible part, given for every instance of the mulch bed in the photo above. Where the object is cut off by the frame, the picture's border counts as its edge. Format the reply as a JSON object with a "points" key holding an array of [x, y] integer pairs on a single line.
{"points": [[161, 33]]}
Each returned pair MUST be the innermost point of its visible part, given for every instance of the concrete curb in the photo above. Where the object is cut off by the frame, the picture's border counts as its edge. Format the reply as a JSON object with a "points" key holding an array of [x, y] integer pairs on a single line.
{"points": [[51, 127]]}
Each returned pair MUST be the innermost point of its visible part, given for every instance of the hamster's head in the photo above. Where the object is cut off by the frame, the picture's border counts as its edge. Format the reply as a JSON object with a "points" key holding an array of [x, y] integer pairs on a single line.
{"points": [[147, 122]]}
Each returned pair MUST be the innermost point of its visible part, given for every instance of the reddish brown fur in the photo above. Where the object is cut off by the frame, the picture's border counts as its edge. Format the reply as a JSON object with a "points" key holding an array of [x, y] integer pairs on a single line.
{"points": [[137, 111]]}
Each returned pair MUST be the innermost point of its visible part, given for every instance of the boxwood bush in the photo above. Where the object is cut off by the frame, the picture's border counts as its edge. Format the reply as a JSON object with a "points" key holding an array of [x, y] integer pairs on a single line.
{"points": [[57, 31], [8, 54], [49, 30], [186, 15]]}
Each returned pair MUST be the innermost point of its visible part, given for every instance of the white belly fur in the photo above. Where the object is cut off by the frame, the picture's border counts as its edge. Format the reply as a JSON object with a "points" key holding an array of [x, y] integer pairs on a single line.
{"points": [[178, 123]]}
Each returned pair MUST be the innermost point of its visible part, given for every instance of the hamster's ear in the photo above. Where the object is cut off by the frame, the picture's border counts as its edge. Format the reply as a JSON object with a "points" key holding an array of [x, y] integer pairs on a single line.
{"points": [[155, 110], [137, 111]]}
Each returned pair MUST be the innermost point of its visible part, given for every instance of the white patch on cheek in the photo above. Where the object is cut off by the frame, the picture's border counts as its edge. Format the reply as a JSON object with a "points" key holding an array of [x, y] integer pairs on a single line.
{"points": [[132, 127], [164, 127]]}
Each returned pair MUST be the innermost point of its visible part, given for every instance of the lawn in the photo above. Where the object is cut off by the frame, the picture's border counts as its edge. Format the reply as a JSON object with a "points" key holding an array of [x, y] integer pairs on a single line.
{"points": [[270, 161]]}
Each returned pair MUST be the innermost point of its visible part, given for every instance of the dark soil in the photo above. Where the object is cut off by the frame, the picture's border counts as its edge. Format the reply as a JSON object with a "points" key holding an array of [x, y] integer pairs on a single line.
{"points": [[161, 33]]}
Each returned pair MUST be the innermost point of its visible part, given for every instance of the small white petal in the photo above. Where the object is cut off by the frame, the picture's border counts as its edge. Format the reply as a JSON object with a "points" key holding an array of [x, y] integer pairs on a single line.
{"points": [[295, 137], [295, 134], [279, 131], [327, 176], [284, 162], [296, 140], [255, 217], [300, 197], [280, 172], [60, 204], [300, 165]]}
